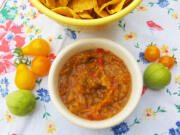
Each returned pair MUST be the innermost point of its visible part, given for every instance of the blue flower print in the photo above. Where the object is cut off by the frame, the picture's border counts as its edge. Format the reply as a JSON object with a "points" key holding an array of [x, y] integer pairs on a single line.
{"points": [[70, 33], [141, 57], [34, 13], [176, 131], [31, 26], [120, 129], [172, 131], [163, 3], [23, 7], [4, 87], [22, 16], [10, 36], [44, 95], [178, 124]]}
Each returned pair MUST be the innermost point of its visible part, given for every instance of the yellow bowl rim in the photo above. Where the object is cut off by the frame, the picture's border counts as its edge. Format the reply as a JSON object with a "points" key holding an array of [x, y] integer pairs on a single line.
{"points": [[80, 22]]}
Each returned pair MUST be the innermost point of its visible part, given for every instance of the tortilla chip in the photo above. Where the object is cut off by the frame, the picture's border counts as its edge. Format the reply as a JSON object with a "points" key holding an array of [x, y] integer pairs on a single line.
{"points": [[96, 9], [62, 3], [127, 2], [108, 3], [85, 15], [50, 3], [43, 1], [101, 2], [66, 11], [81, 5], [86, 9], [117, 8]]}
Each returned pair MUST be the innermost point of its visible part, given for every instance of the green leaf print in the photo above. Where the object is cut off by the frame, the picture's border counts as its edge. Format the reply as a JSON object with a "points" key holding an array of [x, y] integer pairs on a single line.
{"points": [[48, 114], [178, 107], [138, 60], [122, 25], [174, 49], [160, 110], [59, 37], [31, 37], [8, 12], [176, 93], [36, 30], [136, 45], [179, 26], [151, 4], [170, 10], [2, 18], [24, 22], [168, 91], [39, 81], [44, 115], [37, 98], [136, 121], [39, 36]]}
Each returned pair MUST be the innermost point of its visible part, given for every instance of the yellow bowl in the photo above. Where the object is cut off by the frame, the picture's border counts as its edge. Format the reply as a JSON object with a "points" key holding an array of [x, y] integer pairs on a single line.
{"points": [[85, 25]]}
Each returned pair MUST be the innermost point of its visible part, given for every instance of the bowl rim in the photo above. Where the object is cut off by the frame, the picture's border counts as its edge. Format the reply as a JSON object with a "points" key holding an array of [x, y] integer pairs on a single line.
{"points": [[78, 120], [80, 22]]}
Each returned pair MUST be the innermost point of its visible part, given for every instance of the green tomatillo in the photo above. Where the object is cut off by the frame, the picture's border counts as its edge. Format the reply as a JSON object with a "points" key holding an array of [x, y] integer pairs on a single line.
{"points": [[21, 102], [156, 76]]}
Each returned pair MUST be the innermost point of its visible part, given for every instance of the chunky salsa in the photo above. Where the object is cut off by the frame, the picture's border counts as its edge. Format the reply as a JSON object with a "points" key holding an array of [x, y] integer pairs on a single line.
{"points": [[95, 84]]}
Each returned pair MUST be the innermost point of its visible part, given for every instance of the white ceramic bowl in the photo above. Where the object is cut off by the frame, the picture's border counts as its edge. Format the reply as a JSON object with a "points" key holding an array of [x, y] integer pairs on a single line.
{"points": [[94, 43]]}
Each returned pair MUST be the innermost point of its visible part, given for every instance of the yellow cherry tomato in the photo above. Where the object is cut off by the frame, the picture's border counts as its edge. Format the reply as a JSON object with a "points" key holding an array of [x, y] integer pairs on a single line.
{"points": [[37, 47], [40, 65], [152, 53], [167, 61], [24, 78]]}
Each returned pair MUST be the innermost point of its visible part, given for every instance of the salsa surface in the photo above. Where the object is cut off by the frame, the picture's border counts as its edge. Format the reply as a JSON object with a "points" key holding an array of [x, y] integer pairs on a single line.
{"points": [[94, 84]]}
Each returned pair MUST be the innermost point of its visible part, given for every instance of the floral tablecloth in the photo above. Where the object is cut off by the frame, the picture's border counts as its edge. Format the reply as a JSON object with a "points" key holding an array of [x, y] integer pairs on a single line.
{"points": [[154, 21]]}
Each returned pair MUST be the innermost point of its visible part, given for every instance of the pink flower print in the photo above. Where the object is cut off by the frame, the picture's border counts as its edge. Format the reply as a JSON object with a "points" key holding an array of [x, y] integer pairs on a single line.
{"points": [[4, 46], [6, 63], [11, 36], [152, 25]]}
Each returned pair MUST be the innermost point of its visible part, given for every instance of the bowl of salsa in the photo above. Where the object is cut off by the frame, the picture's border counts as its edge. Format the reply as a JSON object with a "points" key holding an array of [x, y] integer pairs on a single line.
{"points": [[95, 83]]}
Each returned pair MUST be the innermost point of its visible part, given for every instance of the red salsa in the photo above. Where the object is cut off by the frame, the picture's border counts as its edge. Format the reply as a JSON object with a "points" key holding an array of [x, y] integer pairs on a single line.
{"points": [[95, 84]]}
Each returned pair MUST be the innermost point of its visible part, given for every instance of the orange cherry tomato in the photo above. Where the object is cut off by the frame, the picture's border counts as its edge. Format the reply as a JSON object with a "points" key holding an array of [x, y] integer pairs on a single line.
{"points": [[152, 53], [40, 65], [37, 47], [24, 78], [167, 61]]}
